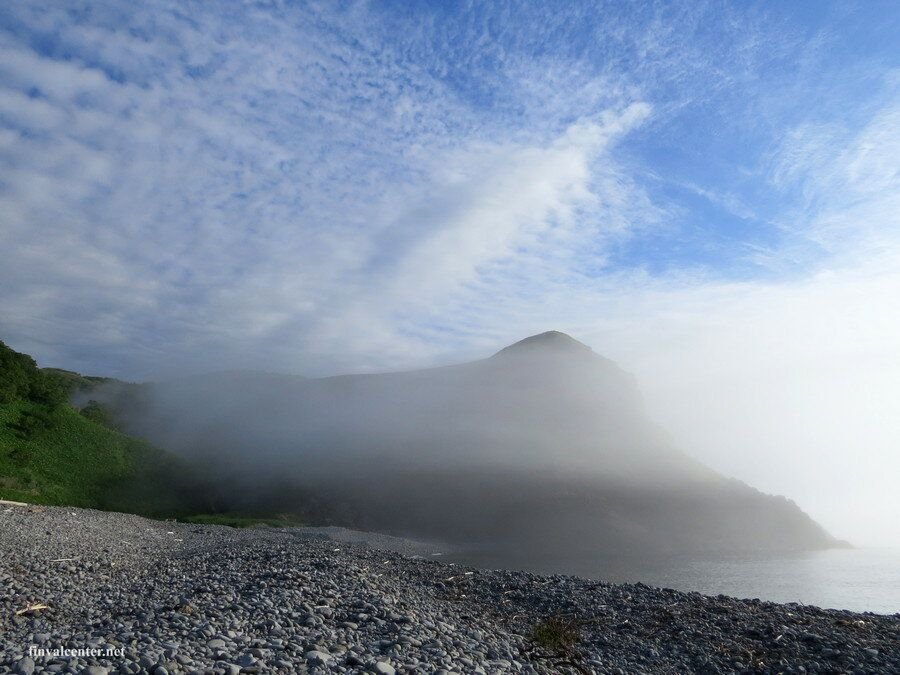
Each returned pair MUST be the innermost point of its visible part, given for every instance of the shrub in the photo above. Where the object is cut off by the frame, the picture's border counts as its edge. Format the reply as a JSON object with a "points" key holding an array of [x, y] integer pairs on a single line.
{"points": [[95, 412], [556, 634]]}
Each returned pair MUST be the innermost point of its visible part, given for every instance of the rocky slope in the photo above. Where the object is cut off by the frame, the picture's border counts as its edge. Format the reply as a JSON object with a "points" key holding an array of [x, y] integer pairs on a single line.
{"points": [[208, 599]]}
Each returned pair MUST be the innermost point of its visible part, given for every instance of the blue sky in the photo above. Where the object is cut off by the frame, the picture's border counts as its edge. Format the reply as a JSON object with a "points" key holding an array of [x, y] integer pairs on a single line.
{"points": [[269, 185], [334, 187]]}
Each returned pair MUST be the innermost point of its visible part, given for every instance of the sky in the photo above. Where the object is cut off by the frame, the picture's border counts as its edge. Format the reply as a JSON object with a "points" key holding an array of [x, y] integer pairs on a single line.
{"points": [[707, 193]]}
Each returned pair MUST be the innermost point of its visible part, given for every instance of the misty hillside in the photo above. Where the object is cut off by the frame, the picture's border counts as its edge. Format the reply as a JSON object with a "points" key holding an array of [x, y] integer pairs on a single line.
{"points": [[542, 447], [52, 453]]}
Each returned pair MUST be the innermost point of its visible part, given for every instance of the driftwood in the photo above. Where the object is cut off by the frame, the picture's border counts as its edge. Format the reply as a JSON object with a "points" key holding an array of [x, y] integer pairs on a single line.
{"points": [[9, 502], [31, 609]]}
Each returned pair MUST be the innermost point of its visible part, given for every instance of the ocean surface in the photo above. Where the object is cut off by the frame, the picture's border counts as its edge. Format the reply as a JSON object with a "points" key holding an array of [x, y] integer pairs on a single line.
{"points": [[860, 579]]}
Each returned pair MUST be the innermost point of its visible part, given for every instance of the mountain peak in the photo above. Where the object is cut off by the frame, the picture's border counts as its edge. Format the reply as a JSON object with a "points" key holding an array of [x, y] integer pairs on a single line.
{"points": [[551, 342]]}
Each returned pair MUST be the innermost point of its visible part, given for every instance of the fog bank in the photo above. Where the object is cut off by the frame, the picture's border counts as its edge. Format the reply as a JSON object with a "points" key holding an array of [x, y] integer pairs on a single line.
{"points": [[542, 449]]}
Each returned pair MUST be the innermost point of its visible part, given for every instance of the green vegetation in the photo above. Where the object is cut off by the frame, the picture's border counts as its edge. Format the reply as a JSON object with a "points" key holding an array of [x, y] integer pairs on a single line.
{"points": [[243, 520], [22, 380], [99, 415], [51, 453], [71, 382], [556, 634], [58, 456]]}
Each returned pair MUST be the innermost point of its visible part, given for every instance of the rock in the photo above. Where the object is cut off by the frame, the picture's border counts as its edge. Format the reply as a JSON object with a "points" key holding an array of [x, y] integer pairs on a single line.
{"points": [[25, 666], [253, 590], [246, 661], [317, 658]]}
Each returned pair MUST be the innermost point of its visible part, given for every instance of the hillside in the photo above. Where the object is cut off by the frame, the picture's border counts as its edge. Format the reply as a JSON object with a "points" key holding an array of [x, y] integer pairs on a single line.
{"points": [[541, 450], [51, 453]]}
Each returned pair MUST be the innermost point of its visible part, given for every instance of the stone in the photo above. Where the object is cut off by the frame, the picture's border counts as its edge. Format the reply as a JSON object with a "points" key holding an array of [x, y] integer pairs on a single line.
{"points": [[316, 657], [25, 666], [246, 661]]}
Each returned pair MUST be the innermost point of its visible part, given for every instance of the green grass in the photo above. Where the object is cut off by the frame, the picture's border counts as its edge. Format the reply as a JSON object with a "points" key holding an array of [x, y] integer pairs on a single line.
{"points": [[242, 520], [65, 461], [54, 455]]}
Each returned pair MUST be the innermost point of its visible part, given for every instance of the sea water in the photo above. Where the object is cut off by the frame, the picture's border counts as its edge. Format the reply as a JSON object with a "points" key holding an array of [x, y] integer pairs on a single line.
{"points": [[858, 579]]}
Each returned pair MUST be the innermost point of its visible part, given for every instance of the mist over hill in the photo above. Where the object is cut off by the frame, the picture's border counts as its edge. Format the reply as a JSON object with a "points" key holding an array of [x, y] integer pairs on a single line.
{"points": [[51, 453], [543, 449]]}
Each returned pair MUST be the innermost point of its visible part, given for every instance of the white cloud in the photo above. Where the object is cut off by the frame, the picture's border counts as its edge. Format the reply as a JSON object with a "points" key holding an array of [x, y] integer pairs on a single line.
{"points": [[251, 215]]}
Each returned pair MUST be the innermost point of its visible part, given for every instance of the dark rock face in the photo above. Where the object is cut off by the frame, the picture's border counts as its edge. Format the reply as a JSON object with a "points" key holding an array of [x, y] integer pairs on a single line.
{"points": [[545, 444], [550, 342]]}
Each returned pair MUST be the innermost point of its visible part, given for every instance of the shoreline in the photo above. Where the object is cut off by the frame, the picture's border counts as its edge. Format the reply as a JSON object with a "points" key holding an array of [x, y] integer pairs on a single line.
{"points": [[859, 579], [184, 598]]}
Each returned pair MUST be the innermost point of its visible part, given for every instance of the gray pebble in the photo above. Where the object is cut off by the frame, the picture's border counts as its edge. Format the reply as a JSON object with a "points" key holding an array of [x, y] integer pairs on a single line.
{"points": [[266, 600]]}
